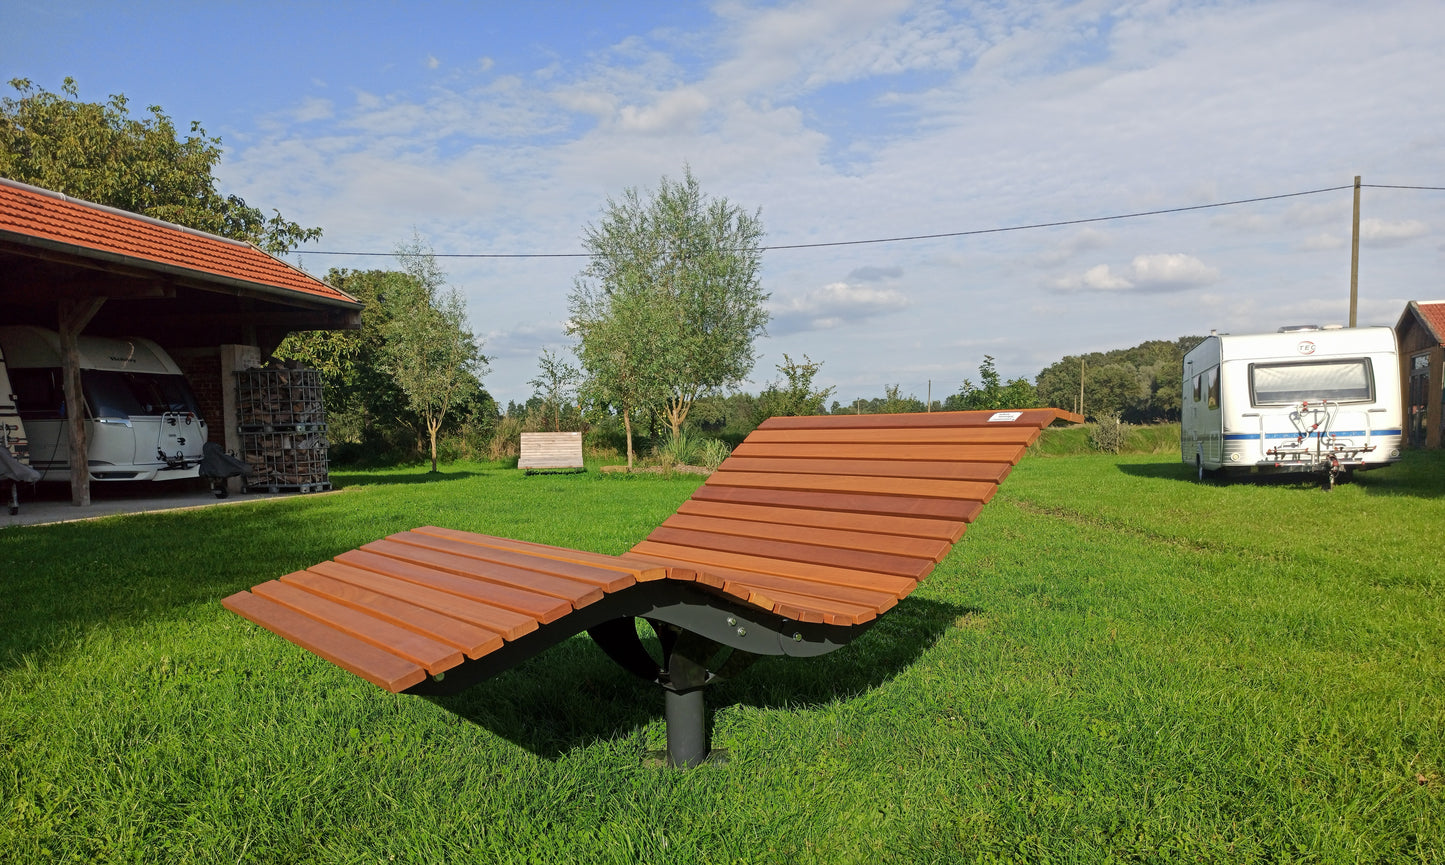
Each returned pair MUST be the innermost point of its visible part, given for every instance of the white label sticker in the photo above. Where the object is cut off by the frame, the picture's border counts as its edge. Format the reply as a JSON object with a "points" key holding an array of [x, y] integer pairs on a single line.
{"points": [[1005, 416]]}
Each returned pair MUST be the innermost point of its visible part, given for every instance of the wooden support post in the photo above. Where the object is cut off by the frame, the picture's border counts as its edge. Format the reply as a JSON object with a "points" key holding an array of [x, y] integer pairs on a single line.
{"points": [[74, 314]]}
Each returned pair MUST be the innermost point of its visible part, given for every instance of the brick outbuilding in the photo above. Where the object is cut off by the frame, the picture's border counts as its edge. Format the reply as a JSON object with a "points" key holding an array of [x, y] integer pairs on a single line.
{"points": [[1421, 335]]}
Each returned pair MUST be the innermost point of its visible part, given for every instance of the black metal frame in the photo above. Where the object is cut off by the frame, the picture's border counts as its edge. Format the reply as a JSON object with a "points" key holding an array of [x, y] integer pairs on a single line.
{"points": [[705, 636]]}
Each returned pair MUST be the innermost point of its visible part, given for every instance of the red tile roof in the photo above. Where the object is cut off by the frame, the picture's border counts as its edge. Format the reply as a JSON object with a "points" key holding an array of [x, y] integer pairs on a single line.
{"points": [[29, 214], [1432, 313]]}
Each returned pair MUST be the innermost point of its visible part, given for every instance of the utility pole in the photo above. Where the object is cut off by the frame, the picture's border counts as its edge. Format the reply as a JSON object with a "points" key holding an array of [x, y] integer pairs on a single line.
{"points": [[1081, 386], [1355, 257]]}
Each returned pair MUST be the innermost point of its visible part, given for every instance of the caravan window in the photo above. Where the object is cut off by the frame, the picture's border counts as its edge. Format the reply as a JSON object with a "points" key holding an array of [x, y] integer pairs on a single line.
{"points": [[39, 393], [123, 394], [1197, 388], [1213, 388], [1337, 380]]}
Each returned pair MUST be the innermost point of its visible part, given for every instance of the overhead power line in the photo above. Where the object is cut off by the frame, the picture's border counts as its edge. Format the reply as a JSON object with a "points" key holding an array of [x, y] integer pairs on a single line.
{"points": [[911, 237]]}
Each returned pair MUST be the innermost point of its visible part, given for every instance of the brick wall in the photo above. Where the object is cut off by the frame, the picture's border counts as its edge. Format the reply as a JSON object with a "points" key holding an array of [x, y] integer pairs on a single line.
{"points": [[203, 370]]}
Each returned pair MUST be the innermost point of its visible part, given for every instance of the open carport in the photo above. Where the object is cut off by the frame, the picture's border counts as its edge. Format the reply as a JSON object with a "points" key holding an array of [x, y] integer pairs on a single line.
{"points": [[215, 305]]}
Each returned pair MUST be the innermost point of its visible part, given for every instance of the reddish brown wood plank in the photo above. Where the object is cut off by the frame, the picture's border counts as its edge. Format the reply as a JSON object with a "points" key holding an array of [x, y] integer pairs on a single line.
{"points": [[577, 593], [470, 639], [975, 490], [956, 471], [607, 579], [893, 453], [964, 511], [1037, 417], [640, 573], [901, 435], [431, 654], [837, 605], [902, 566], [704, 559], [544, 608], [508, 623], [925, 548], [379, 667], [948, 531]]}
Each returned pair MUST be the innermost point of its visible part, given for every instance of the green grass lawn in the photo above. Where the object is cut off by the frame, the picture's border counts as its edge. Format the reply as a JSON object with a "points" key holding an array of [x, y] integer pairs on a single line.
{"points": [[1116, 664]]}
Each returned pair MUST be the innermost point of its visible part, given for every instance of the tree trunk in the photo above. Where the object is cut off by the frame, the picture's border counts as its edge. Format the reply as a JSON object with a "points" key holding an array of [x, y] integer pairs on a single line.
{"points": [[431, 429], [627, 424]]}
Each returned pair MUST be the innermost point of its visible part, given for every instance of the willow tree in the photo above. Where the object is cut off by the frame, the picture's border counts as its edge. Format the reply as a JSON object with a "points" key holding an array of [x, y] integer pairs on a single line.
{"points": [[430, 352], [670, 302]]}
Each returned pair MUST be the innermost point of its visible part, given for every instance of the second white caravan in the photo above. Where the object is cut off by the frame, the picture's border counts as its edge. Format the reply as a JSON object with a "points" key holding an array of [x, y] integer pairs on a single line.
{"points": [[1305, 399], [142, 420]]}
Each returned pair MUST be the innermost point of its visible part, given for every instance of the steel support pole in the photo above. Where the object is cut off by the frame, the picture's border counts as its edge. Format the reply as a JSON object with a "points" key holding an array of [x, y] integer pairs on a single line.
{"points": [[687, 739]]}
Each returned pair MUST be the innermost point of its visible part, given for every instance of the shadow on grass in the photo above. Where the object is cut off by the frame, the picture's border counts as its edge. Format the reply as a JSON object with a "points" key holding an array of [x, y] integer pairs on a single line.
{"points": [[343, 479], [573, 695], [1419, 473]]}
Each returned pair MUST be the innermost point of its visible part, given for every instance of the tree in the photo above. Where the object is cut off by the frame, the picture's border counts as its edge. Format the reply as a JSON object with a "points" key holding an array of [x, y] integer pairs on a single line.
{"points": [[1142, 384], [670, 303], [992, 393], [556, 384], [621, 354], [98, 152], [430, 352], [363, 402], [794, 396]]}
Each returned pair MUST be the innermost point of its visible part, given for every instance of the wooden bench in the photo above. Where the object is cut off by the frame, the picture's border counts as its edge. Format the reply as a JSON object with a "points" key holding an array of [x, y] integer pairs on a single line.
{"points": [[551, 450], [812, 529]]}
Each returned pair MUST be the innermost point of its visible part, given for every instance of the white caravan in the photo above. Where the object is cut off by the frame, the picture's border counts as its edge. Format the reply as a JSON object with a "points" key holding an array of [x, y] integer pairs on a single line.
{"points": [[142, 420], [1305, 399]]}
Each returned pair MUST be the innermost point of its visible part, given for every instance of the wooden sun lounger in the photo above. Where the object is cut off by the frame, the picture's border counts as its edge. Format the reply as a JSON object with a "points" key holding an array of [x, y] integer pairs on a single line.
{"points": [[548, 451], [811, 529]]}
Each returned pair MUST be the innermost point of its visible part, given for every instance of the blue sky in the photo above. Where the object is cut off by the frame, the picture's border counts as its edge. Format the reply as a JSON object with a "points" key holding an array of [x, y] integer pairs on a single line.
{"points": [[504, 127]]}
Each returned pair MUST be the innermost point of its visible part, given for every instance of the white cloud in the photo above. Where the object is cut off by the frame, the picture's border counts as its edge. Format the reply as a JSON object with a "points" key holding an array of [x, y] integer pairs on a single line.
{"points": [[1380, 232], [432, 62], [675, 111], [832, 306], [1322, 242], [1146, 273]]}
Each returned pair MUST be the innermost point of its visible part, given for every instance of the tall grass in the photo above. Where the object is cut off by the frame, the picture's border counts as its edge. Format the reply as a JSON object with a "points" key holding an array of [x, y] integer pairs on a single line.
{"points": [[1116, 664]]}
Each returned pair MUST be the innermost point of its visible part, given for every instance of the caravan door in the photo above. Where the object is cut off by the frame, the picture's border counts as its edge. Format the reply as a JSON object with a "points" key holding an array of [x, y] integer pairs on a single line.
{"points": [[12, 428]]}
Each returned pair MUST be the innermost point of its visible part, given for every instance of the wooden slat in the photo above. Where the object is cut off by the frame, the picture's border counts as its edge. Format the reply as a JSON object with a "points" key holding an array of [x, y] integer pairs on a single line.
{"points": [[901, 435], [607, 579], [702, 559], [956, 471], [1037, 417], [987, 453], [826, 602], [472, 640], [576, 593], [964, 511], [640, 572], [508, 623], [543, 608], [914, 568], [379, 667], [975, 490], [948, 531], [925, 548], [435, 656]]}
